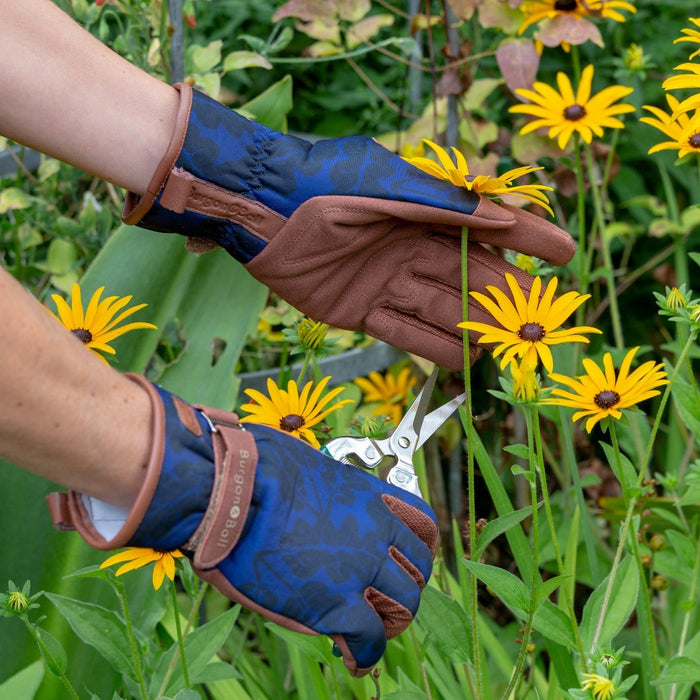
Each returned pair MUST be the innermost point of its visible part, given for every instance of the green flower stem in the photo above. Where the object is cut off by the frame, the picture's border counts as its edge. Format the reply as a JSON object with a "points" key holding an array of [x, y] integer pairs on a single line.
{"points": [[539, 467], [190, 619], [605, 248], [516, 676], [471, 495], [180, 638], [591, 549], [651, 651], [689, 613], [304, 367], [46, 653], [583, 272], [640, 478], [135, 655]]}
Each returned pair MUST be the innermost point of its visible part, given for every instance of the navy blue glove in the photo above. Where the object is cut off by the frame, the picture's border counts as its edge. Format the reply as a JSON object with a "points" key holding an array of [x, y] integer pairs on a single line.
{"points": [[314, 545], [343, 229]]}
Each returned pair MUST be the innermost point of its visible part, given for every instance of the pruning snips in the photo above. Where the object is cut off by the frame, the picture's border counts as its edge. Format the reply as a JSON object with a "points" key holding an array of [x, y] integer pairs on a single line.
{"points": [[392, 458]]}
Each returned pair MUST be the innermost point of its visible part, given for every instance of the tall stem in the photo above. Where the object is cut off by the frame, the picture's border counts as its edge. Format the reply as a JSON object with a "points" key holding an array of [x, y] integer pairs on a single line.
{"points": [[180, 638], [471, 496]]}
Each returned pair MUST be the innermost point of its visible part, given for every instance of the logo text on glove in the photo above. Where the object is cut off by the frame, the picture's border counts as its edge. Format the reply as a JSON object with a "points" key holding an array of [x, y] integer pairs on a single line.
{"points": [[230, 525]]}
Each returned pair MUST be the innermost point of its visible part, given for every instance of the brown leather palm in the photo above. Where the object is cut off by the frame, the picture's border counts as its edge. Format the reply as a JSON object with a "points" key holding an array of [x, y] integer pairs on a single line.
{"points": [[393, 269]]}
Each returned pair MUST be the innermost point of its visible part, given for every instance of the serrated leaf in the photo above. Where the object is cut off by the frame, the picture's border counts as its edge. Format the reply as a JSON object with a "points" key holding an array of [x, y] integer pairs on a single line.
{"points": [[100, 628]]}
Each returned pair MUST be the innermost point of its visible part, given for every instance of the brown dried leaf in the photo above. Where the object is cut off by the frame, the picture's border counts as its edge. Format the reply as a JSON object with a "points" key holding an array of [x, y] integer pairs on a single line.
{"points": [[324, 10], [567, 29], [464, 9], [449, 84], [518, 61]]}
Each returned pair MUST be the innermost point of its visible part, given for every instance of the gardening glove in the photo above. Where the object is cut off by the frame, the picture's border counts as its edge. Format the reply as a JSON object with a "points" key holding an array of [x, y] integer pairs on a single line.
{"points": [[344, 230], [314, 545]]}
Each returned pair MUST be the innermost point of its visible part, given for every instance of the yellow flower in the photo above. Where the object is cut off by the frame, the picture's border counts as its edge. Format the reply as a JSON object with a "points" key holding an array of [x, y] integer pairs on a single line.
{"points": [[690, 81], [97, 325], [136, 557], [526, 386], [290, 411], [566, 113], [528, 326], [602, 687], [683, 130], [389, 392], [538, 10], [692, 35], [457, 172], [601, 393]]}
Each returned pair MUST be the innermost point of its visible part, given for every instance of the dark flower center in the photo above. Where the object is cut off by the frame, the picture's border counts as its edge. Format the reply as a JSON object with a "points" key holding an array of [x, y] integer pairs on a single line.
{"points": [[694, 141], [606, 399], [565, 5], [83, 335], [292, 422], [531, 332], [574, 113]]}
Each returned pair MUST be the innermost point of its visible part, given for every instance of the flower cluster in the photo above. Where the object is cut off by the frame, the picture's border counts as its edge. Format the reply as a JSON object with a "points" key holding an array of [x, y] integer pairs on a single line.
{"points": [[682, 123]]}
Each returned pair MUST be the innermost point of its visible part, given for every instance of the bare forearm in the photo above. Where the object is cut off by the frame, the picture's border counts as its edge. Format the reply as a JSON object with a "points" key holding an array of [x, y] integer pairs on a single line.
{"points": [[64, 414], [67, 95]]}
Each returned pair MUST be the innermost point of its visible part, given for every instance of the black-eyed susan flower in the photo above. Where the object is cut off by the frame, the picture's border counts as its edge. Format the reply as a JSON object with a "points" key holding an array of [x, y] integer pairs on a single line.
{"points": [[290, 411], [691, 35], [528, 325], [389, 392], [683, 129], [135, 557], [602, 688], [98, 324], [602, 392], [690, 80], [565, 112], [457, 172]]}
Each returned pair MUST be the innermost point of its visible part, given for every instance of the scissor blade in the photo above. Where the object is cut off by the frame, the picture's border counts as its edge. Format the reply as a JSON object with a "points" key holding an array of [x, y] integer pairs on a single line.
{"points": [[437, 417], [422, 401]]}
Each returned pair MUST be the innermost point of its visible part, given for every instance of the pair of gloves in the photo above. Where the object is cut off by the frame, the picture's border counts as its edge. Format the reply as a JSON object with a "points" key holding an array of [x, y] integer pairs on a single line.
{"points": [[353, 236]]}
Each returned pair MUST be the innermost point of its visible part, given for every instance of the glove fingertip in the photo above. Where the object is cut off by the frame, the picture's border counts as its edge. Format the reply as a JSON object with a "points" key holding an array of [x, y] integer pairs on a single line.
{"points": [[422, 523], [354, 669]]}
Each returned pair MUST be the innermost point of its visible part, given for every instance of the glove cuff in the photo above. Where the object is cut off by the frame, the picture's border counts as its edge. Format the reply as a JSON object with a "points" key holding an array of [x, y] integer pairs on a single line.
{"points": [[179, 487]]}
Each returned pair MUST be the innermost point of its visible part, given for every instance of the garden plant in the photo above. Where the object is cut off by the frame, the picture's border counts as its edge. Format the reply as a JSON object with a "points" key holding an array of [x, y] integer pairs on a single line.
{"points": [[567, 486]]}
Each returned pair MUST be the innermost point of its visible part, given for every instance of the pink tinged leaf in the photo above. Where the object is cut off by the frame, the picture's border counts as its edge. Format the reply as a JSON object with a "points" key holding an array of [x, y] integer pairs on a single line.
{"points": [[567, 29], [464, 9], [518, 62]]}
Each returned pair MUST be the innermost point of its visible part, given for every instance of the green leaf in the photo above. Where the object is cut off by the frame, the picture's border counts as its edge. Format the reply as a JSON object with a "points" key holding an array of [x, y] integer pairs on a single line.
{"points": [[684, 548], [316, 648], [446, 623], [506, 586], [100, 628], [518, 450], [23, 684], [621, 603], [272, 106], [201, 647], [216, 671], [204, 58], [686, 401], [497, 527], [53, 652], [680, 669], [546, 588], [237, 60], [552, 622], [12, 198], [695, 257], [629, 473]]}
